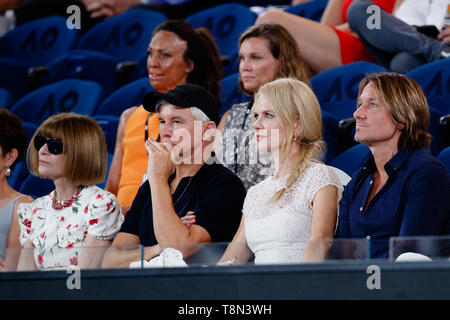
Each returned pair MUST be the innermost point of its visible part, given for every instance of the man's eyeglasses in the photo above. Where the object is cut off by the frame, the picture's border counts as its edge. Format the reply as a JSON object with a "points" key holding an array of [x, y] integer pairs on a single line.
{"points": [[55, 146]]}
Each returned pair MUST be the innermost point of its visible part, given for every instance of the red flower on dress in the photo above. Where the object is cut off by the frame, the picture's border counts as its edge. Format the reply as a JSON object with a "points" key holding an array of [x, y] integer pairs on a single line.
{"points": [[86, 208], [27, 223], [108, 206], [73, 261], [70, 245], [93, 221], [62, 219], [28, 231], [68, 226], [35, 210], [42, 235], [99, 196], [40, 259]]}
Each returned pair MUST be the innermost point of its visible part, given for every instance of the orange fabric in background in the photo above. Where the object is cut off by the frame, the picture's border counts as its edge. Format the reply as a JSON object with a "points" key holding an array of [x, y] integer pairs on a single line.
{"points": [[135, 157]]}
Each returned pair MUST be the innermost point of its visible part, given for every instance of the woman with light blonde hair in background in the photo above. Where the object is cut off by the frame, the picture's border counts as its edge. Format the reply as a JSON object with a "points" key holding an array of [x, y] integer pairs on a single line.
{"points": [[286, 215]]}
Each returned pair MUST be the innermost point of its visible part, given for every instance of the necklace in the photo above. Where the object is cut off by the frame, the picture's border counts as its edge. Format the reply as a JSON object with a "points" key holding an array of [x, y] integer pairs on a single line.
{"points": [[61, 204], [181, 195]]}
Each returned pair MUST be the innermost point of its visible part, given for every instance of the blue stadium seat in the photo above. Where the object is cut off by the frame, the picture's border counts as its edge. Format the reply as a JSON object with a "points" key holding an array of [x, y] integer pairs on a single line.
{"points": [[36, 187], [125, 36], [437, 143], [444, 156], [226, 23], [109, 126], [337, 88], [18, 175], [86, 65], [20, 171], [312, 10], [39, 42], [30, 129], [142, 65], [13, 77], [127, 96], [330, 133], [230, 93], [79, 96], [103, 184], [434, 78], [5, 98], [350, 160]]}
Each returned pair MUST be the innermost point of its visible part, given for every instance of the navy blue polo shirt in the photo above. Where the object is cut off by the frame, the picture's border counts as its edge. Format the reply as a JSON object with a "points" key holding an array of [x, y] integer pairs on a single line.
{"points": [[415, 201], [214, 193]]}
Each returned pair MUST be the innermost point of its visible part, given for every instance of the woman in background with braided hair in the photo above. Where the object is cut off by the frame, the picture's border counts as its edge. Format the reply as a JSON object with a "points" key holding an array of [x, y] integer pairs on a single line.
{"points": [[287, 214]]}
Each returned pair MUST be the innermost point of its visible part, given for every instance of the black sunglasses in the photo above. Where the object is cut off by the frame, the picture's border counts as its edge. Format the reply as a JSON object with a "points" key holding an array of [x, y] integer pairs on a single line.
{"points": [[55, 146]]}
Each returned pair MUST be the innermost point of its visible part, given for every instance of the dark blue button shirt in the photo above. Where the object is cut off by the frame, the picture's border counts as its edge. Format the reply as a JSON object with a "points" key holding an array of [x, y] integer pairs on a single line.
{"points": [[415, 201], [214, 193]]}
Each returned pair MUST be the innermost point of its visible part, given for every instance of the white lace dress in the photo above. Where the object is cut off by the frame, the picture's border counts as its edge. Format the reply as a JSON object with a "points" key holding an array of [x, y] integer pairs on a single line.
{"points": [[278, 233]]}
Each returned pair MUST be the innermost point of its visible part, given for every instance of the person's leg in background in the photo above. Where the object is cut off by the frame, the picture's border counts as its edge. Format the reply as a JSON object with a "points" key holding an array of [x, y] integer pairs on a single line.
{"points": [[393, 37]]}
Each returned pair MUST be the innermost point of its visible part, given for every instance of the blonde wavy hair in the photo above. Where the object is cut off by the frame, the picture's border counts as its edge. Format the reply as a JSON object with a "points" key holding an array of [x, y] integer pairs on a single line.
{"points": [[294, 103]]}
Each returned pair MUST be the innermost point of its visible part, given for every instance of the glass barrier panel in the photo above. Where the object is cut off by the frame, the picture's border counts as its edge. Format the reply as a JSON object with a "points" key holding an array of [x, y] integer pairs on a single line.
{"points": [[70, 257], [423, 248], [204, 254], [226, 254]]}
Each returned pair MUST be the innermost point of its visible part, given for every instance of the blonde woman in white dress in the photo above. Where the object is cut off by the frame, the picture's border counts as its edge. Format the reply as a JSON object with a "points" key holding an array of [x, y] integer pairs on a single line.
{"points": [[287, 216]]}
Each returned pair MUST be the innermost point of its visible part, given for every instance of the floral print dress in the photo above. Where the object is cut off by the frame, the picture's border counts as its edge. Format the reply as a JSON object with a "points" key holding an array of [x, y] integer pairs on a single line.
{"points": [[58, 235]]}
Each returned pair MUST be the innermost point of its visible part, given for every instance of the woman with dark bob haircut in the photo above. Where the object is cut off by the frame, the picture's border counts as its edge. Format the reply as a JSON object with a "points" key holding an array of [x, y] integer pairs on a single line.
{"points": [[401, 190], [70, 149], [13, 142]]}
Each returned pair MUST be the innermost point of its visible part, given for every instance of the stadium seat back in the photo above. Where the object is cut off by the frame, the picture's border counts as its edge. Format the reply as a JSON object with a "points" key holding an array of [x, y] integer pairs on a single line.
{"points": [[125, 36], [127, 96], [86, 65], [312, 10], [109, 126], [337, 88], [13, 77], [351, 159], [444, 156], [39, 42], [5, 98], [226, 22], [330, 133], [434, 78], [79, 96], [36, 187], [230, 93], [437, 143]]}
